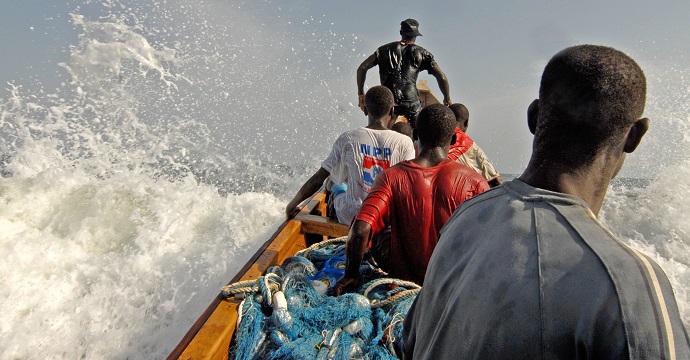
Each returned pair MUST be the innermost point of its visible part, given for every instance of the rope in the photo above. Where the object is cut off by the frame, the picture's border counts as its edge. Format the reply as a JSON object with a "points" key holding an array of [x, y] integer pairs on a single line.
{"points": [[308, 325], [400, 296], [321, 246], [240, 313], [388, 332], [389, 281], [246, 287]]}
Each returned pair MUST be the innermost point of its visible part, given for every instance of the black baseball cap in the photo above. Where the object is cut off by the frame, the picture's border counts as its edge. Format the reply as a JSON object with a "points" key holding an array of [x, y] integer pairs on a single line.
{"points": [[410, 27]]}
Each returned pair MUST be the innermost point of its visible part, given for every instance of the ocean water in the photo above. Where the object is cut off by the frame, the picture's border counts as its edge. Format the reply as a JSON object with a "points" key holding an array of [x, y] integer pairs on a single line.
{"points": [[137, 180]]}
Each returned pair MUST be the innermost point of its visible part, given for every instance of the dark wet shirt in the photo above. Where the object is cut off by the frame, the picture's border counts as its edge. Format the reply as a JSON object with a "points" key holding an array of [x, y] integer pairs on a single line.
{"points": [[399, 64], [525, 273]]}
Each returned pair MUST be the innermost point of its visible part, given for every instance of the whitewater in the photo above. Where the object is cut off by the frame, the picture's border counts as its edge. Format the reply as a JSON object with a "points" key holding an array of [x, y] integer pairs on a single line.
{"points": [[134, 189]]}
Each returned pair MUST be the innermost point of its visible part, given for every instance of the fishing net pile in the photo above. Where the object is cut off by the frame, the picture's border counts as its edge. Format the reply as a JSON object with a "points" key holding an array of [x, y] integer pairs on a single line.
{"points": [[289, 313]]}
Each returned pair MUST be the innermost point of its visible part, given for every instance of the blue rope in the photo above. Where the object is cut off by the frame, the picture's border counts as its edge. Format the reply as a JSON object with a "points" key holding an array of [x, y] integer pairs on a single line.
{"points": [[314, 325], [250, 335]]}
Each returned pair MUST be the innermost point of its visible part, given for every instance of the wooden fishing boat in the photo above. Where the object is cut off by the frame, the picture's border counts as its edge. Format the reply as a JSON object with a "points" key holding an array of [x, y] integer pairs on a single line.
{"points": [[212, 333], [426, 97]]}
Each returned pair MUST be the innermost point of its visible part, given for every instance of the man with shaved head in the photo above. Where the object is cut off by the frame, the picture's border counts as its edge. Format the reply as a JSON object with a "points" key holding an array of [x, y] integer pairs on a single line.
{"points": [[467, 152], [415, 198], [526, 270], [358, 156]]}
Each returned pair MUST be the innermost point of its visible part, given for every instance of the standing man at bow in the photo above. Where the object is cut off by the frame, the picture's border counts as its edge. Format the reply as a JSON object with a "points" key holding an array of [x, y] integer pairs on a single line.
{"points": [[399, 65]]}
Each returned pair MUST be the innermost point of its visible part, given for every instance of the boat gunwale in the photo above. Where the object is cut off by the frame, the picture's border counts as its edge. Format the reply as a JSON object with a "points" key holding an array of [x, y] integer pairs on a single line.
{"points": [[314, 205]]}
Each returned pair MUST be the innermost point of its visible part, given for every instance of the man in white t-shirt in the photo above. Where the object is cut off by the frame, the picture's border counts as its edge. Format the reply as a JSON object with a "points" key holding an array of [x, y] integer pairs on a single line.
{"points": [[358, 156]]}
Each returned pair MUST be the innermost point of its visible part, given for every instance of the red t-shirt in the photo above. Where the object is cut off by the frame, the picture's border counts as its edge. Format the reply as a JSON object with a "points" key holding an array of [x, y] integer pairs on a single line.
{"points": [[416, 202], [463, 142]]}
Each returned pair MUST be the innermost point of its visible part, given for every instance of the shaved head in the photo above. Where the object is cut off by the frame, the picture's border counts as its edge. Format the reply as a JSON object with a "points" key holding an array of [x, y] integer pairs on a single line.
{"points": [[379, 101], [462, 115], [589, 96], [436, 125]]}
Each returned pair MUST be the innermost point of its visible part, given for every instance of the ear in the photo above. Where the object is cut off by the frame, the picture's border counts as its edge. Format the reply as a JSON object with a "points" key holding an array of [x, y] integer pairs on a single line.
{"points": [[533, 116], [635, 134], [453, 139]]}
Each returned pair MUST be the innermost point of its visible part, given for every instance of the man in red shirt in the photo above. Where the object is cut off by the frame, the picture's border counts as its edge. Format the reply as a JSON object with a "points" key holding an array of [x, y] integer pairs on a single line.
{"points": [[415, 198], [467, 152]]}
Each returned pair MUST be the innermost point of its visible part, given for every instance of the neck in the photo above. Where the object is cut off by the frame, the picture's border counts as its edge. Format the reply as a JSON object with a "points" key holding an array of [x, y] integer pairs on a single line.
{"points": [[589, 183], [408, 40], [431, 156], [377, 124]]}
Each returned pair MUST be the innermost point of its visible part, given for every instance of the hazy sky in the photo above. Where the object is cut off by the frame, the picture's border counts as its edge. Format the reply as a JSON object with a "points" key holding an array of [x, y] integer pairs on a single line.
{"points": [[493, 53]]}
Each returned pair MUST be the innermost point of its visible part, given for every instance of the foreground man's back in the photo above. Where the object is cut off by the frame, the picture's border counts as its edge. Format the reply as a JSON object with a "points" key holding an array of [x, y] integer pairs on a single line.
{"points": [[526, 271], [565, 289]]}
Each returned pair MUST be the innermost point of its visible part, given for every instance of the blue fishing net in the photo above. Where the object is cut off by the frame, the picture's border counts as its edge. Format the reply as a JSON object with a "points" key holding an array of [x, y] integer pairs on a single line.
{"points": [[311, 324]]}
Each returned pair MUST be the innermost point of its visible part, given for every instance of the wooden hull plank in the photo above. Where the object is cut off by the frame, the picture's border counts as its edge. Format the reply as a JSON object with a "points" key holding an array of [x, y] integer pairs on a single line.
{"points": [[313, 224]]}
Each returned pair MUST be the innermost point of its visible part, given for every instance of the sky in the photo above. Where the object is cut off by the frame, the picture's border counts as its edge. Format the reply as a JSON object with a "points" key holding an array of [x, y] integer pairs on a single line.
{"points": [[492, 52]]}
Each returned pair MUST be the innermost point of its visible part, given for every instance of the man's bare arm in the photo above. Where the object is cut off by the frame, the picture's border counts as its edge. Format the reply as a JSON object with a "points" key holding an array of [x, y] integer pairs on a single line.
{"points": [[309, 188], [367, 64], [442, 81], [356, 246]]}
